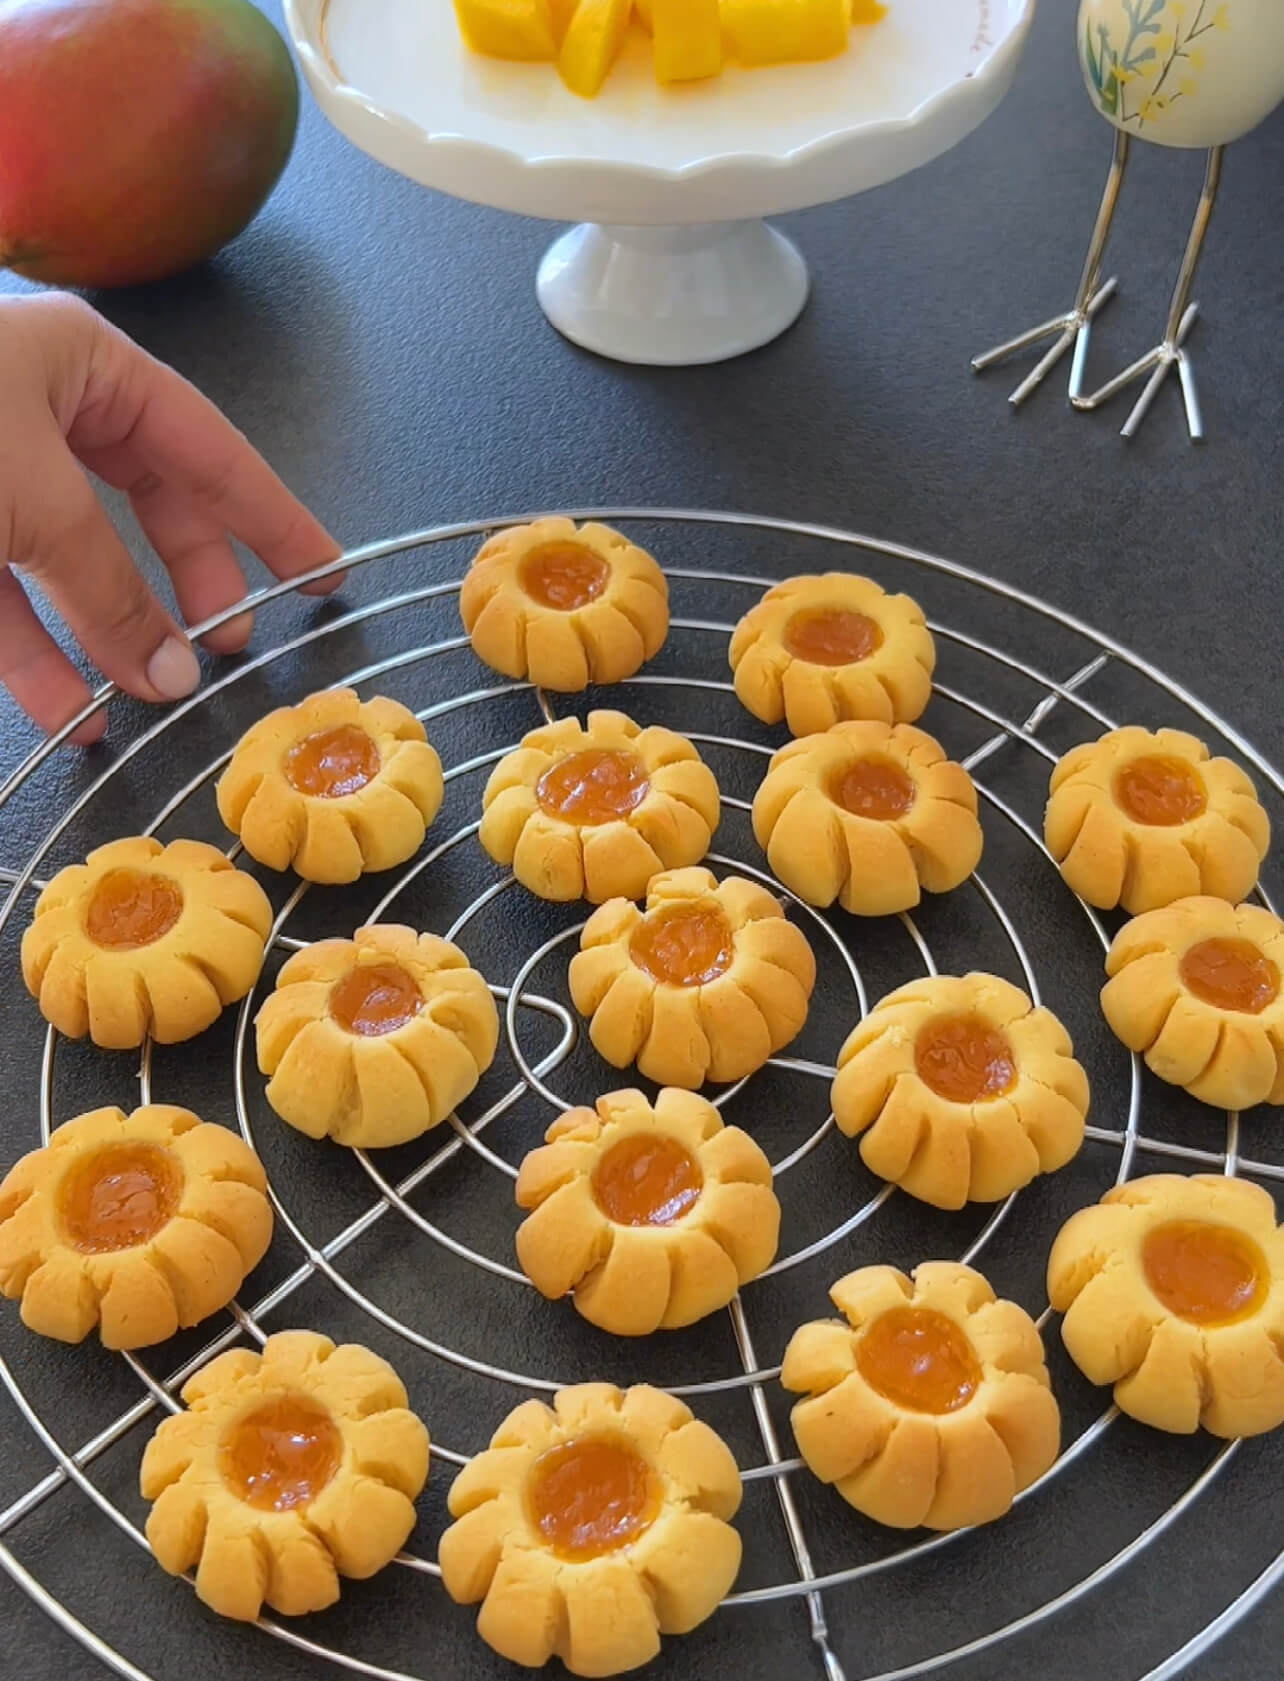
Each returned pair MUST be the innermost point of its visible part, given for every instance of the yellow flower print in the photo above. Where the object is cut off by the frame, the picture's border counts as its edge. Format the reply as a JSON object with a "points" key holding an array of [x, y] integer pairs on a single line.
{"points": [[1221, 18]]}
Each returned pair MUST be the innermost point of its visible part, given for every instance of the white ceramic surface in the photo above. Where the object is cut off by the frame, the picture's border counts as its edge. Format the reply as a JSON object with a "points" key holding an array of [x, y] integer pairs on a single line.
{"points": [[395, 77], [1183, 72]]}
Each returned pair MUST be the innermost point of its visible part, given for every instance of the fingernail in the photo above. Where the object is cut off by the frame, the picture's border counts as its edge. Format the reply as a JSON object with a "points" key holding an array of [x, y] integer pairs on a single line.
{"points": [[172, 670]]}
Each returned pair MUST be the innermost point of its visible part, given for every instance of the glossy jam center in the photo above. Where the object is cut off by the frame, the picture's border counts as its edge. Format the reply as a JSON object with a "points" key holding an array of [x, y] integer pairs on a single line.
{"points": [[282, 1454], [964, 1060], [332, 763], [598, 785], [832, 636], [919, 1359], [375, 998], [646, 1180], [119, 1196], [130, 908], [1231, 975], [1209, 1274], [590, 1497], [1160, 790], [687, 945], [872, 788], [564, 576]]}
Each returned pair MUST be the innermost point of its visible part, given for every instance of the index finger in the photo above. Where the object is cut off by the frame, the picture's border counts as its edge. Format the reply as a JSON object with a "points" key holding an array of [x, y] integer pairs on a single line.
{"points": [[136, 404]]}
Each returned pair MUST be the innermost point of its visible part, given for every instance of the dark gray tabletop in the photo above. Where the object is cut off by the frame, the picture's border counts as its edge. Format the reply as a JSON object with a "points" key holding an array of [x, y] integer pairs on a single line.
{"points": [[384, 348]]}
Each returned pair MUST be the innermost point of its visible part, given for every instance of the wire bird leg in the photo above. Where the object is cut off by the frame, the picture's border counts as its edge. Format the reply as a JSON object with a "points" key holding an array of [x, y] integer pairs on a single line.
{"points": [[1075, 326], [1182, 315]]}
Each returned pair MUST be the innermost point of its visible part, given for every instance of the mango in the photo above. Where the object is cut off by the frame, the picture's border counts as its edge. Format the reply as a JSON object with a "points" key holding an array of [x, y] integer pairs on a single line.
{"points": [[687, 39], [521, 29], [592, 44], [868, 11], [137, 137], [782, 31]]}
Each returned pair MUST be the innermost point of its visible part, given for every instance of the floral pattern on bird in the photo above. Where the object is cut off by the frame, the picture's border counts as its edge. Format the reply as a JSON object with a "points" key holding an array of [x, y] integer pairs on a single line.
{"points": [[1158, 57]]}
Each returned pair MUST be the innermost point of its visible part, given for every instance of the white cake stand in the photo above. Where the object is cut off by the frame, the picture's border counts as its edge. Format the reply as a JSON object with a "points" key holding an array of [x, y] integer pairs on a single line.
{"points": [[670, 263]]}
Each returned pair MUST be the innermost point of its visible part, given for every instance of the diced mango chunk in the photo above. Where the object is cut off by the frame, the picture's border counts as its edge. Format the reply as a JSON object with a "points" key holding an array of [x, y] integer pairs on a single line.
{"points": [[508, 28], [868, 11], [592, 44], [687, 39], [782, 31]]}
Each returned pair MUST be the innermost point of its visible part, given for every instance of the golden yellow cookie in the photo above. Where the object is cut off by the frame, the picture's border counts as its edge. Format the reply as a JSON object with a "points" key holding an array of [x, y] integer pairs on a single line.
{"points": [[334, 786], [290, 1468], [818, 651], [961, 1090], [593, 811], [868, 814], [1195, 987], [1173, 1291], [143, 939], [591, 1528], [705, 985], [565, 607], [931, 1404], [653, 1216], [373, 1040], [1140, 819], [136, 1223]]}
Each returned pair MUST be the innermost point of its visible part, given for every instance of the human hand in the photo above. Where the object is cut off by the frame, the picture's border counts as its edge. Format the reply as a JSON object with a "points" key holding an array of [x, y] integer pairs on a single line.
{"points": [[78, 397]]}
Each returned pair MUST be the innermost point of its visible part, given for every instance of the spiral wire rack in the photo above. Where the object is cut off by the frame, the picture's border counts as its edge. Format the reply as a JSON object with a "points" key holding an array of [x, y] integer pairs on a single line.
{"points": [[1065, 697]]}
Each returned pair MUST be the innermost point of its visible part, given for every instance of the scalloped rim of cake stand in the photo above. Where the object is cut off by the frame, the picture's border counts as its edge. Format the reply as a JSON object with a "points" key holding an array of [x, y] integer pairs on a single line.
{"points": [[723, 186]]}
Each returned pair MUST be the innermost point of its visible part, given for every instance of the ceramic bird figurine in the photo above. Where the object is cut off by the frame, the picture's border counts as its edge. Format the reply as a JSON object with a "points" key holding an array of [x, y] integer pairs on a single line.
{"points": [[1197, 74]]}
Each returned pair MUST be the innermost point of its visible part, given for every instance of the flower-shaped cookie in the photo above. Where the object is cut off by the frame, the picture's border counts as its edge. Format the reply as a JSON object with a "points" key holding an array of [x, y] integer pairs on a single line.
{"points": [[931, 1404], [868, 814], [375, 1039], [653, 1216], [565, 607], [1139, 820], [817, 651], [136, 1223], [961, 1090], [591, 1528], [144, 939], [705, 985], [594, 811], [334, 786], [1173, 1291], [290, 1468], [1196, 988]]}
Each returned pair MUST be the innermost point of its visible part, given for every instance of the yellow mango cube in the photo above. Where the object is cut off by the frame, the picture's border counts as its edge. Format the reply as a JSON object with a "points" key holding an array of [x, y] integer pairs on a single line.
{"points": [[687, 39], [521, 29], [592, 44], [868, 11], [784, 31]]}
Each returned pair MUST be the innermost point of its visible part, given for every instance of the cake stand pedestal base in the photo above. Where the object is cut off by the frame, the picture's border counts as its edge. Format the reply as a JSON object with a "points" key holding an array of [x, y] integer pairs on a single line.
{"points": [[673, 296]]}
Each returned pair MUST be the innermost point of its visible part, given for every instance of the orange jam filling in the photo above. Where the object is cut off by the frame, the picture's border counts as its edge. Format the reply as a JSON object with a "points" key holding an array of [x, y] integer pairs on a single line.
{"points": [[832, 636], [332, 763], [873, 788], [647, 1180], [131, 908], [375, 998], [686, 945], [118, 1197], [564, 575], [965, 1060], [282, 1454], [919, 1359], [591, 1496], [1160, 790], [598, 785], [1231, 975], [1208, 1274]]}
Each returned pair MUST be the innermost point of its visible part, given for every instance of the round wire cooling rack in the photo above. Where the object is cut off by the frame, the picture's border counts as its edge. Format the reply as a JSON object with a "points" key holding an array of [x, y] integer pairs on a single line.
{"points": [[1007, 716]]}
